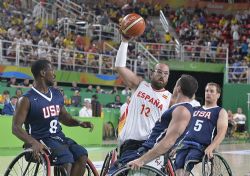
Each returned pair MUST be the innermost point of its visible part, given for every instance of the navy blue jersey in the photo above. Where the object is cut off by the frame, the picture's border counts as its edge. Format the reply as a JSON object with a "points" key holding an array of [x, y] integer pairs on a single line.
{"points": [[160, 128], [202, 128], [42, 119]]}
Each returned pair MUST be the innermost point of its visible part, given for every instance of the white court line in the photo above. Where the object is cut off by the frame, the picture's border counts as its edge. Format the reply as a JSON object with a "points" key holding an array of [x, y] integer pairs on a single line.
{"points": [[98, 164], [238, 152]]}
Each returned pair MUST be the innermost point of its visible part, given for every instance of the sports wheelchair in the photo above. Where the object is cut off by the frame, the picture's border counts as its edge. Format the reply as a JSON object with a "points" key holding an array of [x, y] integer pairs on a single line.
{"points": [[216, 166], [162, 165], [26, 165]]}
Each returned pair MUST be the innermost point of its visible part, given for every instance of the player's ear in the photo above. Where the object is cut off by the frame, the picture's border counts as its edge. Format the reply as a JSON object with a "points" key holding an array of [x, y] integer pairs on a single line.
{"points": [[218, 96], [42, 72], [178, 88], [151, 73]]}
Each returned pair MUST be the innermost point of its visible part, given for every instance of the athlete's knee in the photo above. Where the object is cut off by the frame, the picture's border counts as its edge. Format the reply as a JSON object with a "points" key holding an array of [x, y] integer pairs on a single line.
{"points": [[82, 159]]}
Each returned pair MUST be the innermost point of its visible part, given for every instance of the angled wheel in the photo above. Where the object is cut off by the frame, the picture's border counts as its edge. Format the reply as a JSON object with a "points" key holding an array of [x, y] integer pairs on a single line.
{"points": [[109, 160], [90, 169], [59, 171], [26, 165], [143, 171], [106, 164], [169, 167], [217, 166]]}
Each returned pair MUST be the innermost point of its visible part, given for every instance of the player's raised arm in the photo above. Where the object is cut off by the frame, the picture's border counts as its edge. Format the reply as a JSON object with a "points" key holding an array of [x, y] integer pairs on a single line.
{"points": [[129, 77]]}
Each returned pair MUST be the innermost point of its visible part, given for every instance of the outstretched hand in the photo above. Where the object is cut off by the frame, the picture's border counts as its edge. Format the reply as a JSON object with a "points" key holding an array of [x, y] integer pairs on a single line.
{"points": [[125, 38], [87, 125]]}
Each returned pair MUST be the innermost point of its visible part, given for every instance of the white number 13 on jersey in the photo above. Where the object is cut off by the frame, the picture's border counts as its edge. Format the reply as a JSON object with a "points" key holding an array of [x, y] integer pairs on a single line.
{"points": [[145, 110], [198, 125]]}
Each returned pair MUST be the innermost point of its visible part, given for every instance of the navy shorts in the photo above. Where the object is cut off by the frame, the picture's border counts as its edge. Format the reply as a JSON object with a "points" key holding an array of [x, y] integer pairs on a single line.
{"points": [[189, 155], [64, 150]]}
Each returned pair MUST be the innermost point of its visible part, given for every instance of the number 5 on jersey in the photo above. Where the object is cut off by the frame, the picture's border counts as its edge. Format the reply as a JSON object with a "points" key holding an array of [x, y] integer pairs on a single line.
{"points": [[198, 125], [145, 110]]}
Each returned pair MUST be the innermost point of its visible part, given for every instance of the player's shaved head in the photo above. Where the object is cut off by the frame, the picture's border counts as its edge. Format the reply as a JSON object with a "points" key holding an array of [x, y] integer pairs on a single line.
{"points": [[39, 65]]}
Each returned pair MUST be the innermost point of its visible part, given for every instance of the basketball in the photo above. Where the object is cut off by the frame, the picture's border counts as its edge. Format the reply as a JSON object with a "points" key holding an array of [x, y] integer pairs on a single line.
{"points": [[132, 25]]}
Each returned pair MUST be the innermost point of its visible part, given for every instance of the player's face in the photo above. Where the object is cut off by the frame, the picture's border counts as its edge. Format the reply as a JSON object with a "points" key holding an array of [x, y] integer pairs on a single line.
{"points": [[211, 94], [160, 76], [50, 75]]}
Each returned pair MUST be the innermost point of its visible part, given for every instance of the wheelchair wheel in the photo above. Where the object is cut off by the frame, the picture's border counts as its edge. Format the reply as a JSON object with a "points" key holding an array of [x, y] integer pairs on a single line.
{"points": [[109, 160], [169, 167], [25, 164], [143, 171], [106, 164], [58, 171], [217, 166], [90, 169]]}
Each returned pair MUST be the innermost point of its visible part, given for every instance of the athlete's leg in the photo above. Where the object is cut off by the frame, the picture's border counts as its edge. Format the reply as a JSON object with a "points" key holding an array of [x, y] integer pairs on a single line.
{"points": [[80, 155], [180, 161]]}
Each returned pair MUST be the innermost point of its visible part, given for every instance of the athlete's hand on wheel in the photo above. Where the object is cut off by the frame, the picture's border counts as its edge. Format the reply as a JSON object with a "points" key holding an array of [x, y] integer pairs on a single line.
{"points": [[37, 148], [135, 164], [209, 152], [87, 125]]}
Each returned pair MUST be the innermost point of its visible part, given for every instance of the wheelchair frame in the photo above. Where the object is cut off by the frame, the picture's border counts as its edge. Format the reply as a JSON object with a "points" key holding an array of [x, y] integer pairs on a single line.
{"points": [[42, 162], [168, 168]]}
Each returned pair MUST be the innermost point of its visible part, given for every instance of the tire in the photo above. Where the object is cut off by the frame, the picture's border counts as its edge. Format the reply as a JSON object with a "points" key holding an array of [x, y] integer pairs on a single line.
{"points": [[90, 169], [106, 164], [217, 166], [169, 167], [143, 171], [25, 164], [59, 171]]}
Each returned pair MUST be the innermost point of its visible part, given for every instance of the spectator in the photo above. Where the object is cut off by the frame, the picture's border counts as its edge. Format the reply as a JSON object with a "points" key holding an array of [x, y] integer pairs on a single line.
{"points": [[96, 106], [86, 110], [108, 130], [116, 104], [10, 107], [5, 97], [90, 89], [12, 82], [114, 90], [231, 124], [67, 101], [167, 37], [25, 83], [240, 120], [76, 99], [19, 93], [75, 87], [126, 91], [99, 90], [239, 73]]}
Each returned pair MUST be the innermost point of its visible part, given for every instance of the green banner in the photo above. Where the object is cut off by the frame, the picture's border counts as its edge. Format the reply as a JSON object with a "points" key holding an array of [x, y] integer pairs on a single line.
{"points": [[196, 66], [81, 135]]}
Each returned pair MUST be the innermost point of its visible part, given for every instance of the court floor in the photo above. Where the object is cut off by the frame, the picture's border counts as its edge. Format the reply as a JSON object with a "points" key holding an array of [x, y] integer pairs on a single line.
{"points": [[237, 155]]}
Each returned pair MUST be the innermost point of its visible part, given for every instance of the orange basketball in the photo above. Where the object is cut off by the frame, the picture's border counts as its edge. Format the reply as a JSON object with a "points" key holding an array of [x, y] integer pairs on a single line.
{"points": [[132, 25]]}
